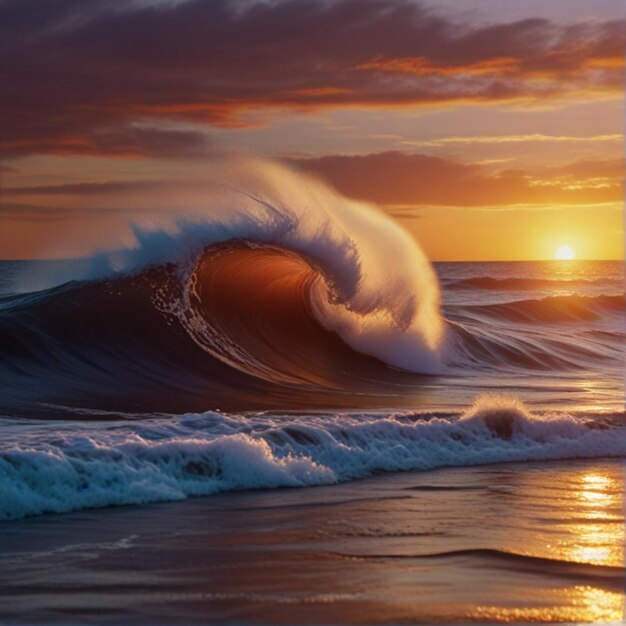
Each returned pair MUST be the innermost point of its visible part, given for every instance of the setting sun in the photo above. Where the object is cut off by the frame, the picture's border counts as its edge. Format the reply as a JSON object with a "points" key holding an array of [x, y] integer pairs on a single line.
{"points": [[564, 253]]}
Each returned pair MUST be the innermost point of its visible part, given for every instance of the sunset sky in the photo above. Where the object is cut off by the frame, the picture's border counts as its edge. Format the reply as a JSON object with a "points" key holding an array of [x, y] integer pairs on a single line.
{"points": [[492, 129]]}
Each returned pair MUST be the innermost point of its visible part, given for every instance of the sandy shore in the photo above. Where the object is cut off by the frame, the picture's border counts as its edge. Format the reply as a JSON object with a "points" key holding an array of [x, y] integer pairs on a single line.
{"points": [[514, 543]]}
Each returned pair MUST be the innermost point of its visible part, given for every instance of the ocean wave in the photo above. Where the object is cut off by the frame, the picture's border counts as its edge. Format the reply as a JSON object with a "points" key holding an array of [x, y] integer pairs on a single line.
{"points": [[267, 281], [558, 308], [372, 283], [606, 576], [490, 283], [66, 468], [242, 331]]}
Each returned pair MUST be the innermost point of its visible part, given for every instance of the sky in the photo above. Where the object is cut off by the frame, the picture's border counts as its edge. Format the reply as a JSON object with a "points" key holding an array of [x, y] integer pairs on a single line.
{"points": [[490, 129]]}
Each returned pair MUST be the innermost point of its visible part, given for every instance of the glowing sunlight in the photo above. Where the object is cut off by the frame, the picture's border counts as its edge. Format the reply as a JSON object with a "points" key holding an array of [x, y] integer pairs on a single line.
{"points": [[564, 253]]}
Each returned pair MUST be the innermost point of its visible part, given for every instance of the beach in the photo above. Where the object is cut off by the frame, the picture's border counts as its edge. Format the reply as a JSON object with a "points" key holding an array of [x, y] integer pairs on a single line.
{"points": [[532, 542]]}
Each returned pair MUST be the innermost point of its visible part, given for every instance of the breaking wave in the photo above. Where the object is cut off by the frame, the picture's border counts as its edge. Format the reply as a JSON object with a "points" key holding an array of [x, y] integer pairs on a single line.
{"points": [[267, 280], [64, 468]]}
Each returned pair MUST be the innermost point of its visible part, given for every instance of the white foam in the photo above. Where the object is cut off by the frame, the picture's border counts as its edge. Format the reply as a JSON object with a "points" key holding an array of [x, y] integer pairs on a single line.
{"points": [[52, 468]]}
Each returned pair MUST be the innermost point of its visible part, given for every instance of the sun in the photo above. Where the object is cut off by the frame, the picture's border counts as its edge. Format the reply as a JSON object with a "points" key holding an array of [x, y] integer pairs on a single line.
{"points": [[564, 253]]}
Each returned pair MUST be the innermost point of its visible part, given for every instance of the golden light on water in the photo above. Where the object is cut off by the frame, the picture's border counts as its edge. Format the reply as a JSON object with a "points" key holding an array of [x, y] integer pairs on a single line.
{"points": [[587, 532], [599, 503], [564, 253], [585, 604]]}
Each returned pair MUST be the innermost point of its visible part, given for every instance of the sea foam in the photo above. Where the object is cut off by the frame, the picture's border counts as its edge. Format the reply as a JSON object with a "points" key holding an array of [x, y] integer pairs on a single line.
{"points": [[47, 467]]}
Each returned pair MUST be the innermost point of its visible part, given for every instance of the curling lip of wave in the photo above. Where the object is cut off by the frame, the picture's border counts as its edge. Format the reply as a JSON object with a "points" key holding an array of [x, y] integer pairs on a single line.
{"points": [[250, 306], [270, 273], [111, 345], [391, 315], [77, 467]]}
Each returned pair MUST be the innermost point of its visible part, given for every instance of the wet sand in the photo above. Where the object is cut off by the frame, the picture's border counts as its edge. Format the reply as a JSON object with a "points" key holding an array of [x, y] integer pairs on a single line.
{"points": [[533, 542]]}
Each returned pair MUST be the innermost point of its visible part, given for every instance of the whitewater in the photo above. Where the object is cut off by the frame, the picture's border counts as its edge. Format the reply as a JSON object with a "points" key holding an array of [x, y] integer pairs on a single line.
{"points": [[60, 469]]}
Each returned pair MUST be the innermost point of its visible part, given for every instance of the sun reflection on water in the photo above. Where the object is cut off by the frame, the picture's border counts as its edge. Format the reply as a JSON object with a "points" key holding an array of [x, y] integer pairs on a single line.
{"points": [[585, 604], [599, 537], [588, 510]]}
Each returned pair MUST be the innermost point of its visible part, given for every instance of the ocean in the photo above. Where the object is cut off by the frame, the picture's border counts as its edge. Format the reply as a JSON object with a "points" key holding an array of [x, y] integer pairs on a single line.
{"points": [[476, 476]]}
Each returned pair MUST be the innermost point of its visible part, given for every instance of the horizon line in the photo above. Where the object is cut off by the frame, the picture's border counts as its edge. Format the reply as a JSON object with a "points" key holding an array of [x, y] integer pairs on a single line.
{"points": [[542, 260]]}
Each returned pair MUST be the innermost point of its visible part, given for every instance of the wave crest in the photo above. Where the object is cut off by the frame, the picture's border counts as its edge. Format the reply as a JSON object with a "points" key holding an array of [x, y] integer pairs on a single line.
{"points": [[559, 308], [75, 467]]}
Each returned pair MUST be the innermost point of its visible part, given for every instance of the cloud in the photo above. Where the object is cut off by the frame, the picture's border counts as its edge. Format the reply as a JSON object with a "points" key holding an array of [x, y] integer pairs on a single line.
{"points": [[123, 140], [34, 213], [100, 77], [398, 179], [508, 139], [86, 189]]}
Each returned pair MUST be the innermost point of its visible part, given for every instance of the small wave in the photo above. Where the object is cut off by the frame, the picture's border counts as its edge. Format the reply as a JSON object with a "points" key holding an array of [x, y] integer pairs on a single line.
{"points": [[554, 333], [45, 470], [479, 347], [562, 308], [604, 575], [489, 283]]}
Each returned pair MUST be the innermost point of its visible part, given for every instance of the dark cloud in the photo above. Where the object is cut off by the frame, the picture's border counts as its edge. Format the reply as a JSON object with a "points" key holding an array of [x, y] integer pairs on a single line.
{"points": [[400, 179], [77, 76], [84, 189], [133, 140], [125, 140], [34, 213]]}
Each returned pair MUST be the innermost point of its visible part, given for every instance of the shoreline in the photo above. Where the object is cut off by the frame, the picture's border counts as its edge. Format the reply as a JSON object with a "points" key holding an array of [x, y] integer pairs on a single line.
{"points": [[487, 543]]}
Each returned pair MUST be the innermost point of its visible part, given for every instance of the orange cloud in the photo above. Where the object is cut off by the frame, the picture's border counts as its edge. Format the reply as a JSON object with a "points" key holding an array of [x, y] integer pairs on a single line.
{"points": [[421, 66], [513, 139]]}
